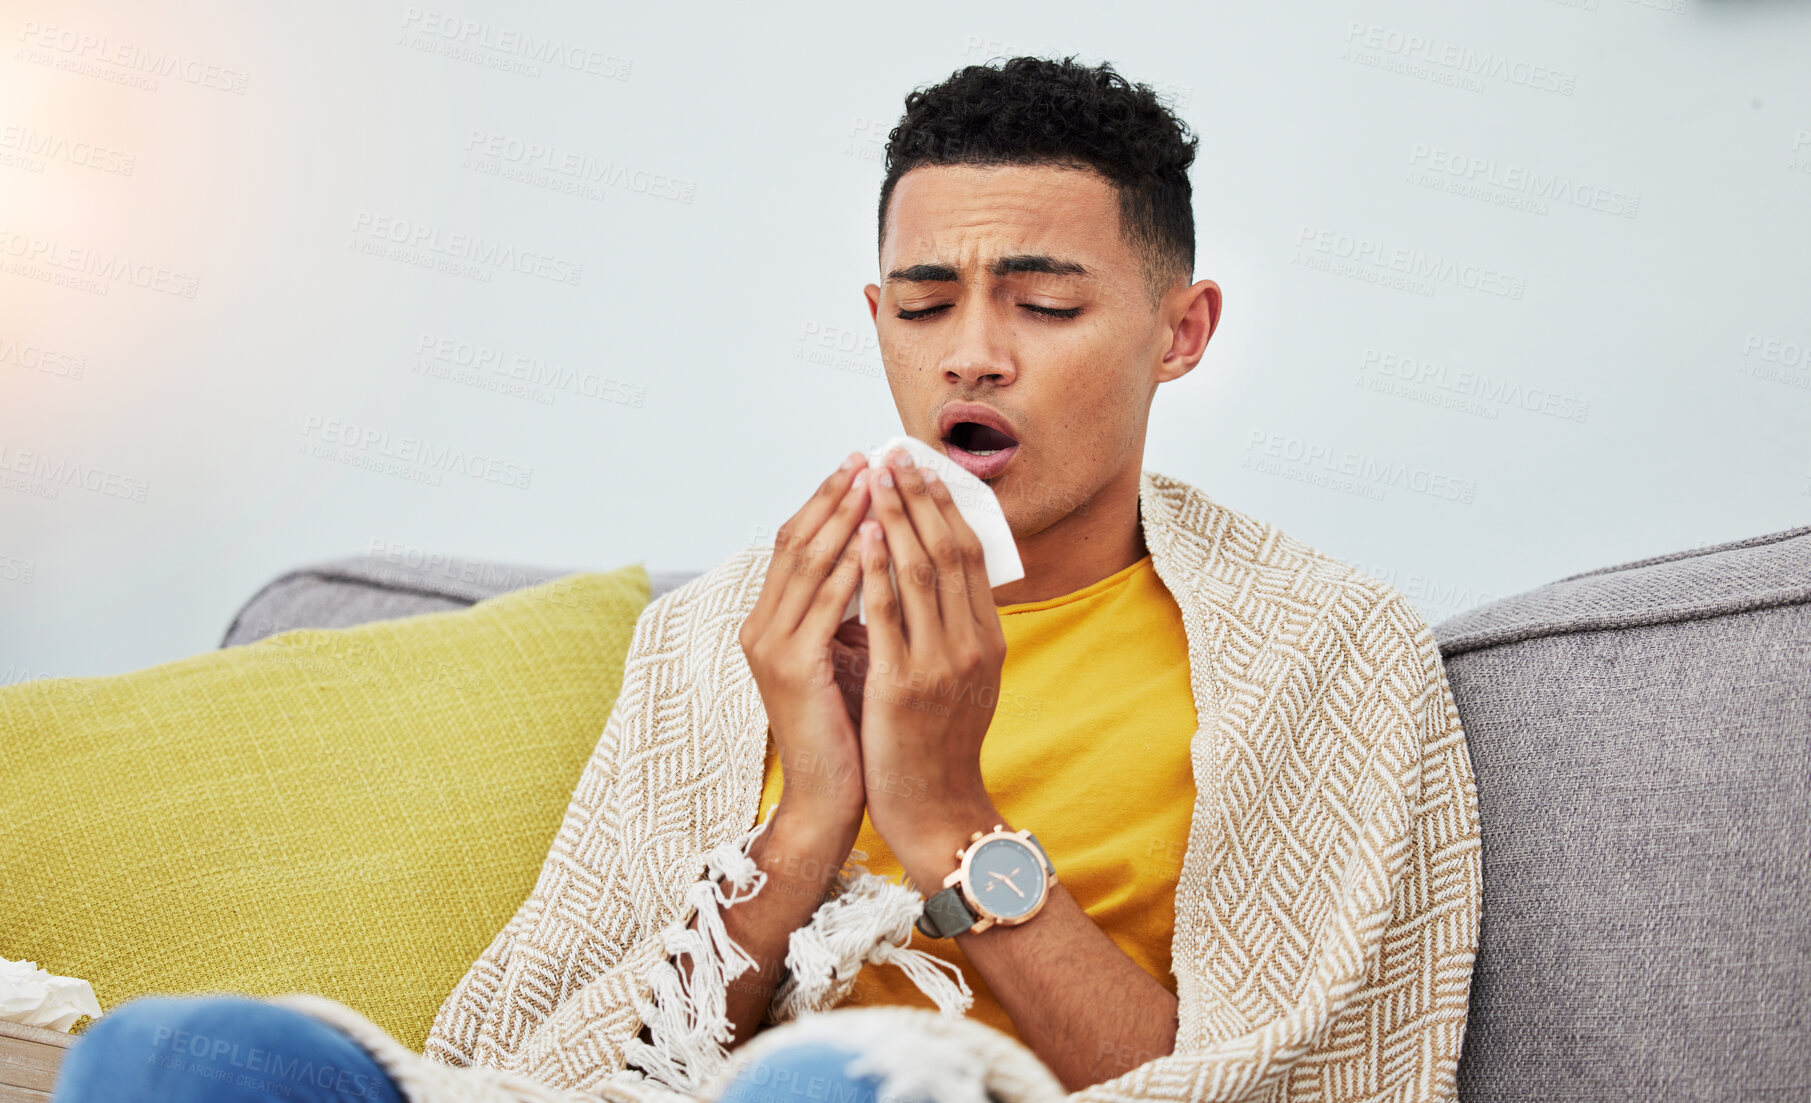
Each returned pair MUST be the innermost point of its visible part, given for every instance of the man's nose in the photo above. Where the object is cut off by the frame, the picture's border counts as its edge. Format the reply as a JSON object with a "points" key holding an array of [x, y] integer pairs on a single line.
{"points": [[981, 350]]}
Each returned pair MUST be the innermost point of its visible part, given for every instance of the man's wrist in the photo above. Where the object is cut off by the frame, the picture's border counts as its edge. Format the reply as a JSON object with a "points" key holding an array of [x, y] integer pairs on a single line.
{"points": [[929, 854], [803, 845]]}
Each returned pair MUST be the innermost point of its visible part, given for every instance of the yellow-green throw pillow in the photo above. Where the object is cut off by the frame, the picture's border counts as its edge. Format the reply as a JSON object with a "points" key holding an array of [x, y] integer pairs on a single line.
{"points": [[355, 812]]}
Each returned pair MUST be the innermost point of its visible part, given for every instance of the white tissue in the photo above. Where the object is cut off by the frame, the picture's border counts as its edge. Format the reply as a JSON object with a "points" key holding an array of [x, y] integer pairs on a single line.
{"points": [[976, 503], [30, 996]]}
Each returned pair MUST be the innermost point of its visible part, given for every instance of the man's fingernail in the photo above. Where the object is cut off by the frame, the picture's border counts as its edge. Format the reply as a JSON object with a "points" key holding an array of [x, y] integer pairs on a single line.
{"points": [[849, 461]]}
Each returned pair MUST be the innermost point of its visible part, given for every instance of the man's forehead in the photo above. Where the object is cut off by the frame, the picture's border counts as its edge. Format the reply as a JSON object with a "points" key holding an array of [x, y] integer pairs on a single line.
{"points": [[973, 217]]}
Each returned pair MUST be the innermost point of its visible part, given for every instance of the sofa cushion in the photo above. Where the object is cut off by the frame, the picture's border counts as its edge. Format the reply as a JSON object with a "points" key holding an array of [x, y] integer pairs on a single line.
{"points": [[1640, 736], [388, 583], [353, 812]]}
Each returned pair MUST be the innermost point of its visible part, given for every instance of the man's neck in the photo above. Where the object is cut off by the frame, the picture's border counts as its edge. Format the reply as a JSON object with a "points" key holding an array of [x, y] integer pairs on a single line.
{"points": [[1102, 537]]}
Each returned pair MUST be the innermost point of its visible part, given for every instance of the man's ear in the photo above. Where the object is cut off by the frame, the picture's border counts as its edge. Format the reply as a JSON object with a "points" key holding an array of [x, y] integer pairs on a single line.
{"points": [[1200, 317], [872, 291]]}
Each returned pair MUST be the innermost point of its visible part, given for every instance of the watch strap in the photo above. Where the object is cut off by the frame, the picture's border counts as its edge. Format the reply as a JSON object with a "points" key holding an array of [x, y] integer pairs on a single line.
{"points": [[1049, 866], [946, 914]]}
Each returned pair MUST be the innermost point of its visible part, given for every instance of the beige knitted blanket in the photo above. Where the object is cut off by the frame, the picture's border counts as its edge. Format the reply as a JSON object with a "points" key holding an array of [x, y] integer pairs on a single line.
{"points": [[1326, 915]]}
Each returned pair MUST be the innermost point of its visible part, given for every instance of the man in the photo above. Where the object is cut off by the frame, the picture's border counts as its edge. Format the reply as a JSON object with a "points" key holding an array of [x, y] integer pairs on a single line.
{"points": [[1255, 871]]}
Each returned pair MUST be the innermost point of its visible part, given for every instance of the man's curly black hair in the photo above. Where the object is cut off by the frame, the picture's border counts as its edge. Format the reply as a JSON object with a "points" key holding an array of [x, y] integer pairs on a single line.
{"points": [[1032, 110]]}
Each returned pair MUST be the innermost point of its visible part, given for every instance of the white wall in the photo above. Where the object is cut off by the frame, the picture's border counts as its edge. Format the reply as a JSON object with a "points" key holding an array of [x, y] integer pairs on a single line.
{"points": [[227, 162]]}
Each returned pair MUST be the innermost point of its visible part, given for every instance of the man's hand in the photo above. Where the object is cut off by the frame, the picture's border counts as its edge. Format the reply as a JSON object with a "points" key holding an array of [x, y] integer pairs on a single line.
{"points": [[789, 639], [933, 677]]}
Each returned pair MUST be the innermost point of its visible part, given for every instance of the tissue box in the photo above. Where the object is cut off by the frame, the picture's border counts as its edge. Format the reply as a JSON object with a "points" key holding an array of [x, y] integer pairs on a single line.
{"points": [[29, 1059]]}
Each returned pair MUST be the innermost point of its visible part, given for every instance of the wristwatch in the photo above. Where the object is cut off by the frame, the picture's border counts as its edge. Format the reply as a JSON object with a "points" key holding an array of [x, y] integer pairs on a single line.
{"points": [[1004, 878]]}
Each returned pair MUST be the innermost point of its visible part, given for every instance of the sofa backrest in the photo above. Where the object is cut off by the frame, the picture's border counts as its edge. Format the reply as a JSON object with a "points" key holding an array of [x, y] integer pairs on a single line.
{"points": [[360, 590], [1641, 737]]}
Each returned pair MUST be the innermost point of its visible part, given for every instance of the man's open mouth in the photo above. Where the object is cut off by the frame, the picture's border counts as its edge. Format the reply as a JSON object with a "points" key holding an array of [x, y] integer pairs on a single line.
{"points": [[978, 441]]}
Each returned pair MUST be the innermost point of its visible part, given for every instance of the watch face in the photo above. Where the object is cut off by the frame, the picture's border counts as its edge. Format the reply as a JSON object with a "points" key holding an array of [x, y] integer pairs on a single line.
{"points": [[1006, 877]]}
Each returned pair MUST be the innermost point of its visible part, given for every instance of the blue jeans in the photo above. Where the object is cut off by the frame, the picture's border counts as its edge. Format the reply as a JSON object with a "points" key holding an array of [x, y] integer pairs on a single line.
{"points": [[222, 1048], [236, 1049], [805, 1072]]}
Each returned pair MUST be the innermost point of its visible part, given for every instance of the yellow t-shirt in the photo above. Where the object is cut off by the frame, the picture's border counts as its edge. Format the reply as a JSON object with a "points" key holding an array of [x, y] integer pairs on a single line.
{"points": [[1089, 750]]}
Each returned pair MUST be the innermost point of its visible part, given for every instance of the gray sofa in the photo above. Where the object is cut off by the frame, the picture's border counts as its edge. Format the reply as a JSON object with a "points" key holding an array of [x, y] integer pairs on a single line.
{"points": [[1641, 736]]}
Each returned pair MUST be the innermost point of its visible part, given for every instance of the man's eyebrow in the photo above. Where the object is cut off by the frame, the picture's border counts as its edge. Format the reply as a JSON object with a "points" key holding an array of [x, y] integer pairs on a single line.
{"points": [[924, 273], [1037, 262], [1005, 266]]}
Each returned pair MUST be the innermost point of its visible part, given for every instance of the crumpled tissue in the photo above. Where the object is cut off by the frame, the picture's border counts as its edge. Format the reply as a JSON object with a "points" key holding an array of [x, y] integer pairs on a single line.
{"points": [[976, 503], [31, 996]]}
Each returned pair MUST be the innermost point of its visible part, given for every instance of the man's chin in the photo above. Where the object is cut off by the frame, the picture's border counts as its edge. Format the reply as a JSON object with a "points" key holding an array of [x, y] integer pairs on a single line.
{"points": [[1032, 504]]}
